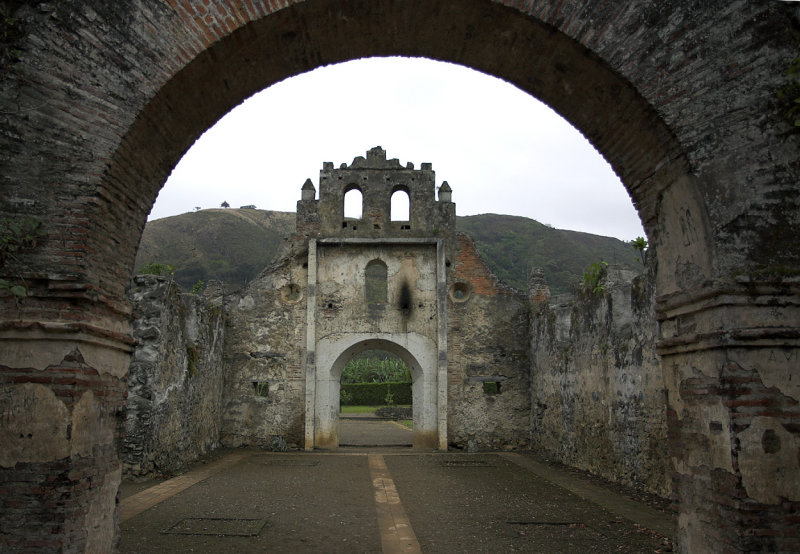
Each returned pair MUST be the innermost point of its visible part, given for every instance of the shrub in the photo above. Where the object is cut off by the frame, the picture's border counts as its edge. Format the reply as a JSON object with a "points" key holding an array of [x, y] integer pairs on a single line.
{"points": [[593, 278], [154, 268], [374, 394]]}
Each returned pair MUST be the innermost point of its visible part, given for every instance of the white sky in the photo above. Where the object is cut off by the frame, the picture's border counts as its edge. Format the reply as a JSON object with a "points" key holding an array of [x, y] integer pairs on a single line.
{"points": [[501, 150]]}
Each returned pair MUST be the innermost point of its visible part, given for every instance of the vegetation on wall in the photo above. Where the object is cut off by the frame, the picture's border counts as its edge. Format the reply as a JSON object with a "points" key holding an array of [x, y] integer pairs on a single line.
{"points": [[155, 268], [12, 32], [593, 278], [639, 244], [17, 234]]}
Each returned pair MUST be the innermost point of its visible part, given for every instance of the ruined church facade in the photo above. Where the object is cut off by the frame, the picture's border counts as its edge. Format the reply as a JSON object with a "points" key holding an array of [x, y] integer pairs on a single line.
{"points": [[412, 287]]}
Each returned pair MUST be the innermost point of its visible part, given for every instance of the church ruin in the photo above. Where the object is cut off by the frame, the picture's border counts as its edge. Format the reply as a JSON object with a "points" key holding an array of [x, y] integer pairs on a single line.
{"points": [[411, 287], [689, 103]]}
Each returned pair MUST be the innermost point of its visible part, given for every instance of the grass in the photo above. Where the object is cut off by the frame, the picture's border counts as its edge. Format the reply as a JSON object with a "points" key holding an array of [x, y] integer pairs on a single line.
{"points": [[358, 409], [364, 409], [407, 423]]}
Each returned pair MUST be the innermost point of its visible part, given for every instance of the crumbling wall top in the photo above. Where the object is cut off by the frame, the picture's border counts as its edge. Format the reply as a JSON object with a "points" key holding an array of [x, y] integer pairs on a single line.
{"points": [[377, 180]]}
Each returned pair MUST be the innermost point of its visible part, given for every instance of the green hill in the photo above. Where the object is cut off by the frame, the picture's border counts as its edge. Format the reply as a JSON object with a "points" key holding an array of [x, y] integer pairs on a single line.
{"points": [[226, 244], [235, 245], [513, 245]]}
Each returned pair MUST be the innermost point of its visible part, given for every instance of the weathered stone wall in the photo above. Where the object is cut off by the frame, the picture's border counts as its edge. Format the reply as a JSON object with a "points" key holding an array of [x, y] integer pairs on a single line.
{"points": [[597, 391], [370, 176], [265, 339], [487, 336], [176, 377]]}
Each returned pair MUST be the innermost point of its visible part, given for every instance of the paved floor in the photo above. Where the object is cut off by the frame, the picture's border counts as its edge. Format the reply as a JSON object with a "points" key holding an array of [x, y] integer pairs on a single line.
{"points": [[383, 500], [367, 430]]}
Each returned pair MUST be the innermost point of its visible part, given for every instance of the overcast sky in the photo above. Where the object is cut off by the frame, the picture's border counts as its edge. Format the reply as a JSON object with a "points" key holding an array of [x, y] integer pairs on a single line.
{"points": [[501, 150]]}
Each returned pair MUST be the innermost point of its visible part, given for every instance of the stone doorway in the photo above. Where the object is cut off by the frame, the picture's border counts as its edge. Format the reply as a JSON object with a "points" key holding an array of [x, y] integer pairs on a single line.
{"points": [[376, 407], [417, 352]]}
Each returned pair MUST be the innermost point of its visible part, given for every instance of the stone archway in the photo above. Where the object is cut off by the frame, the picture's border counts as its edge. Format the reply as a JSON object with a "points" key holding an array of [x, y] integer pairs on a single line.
{"points": [[100, 101], [416, 351]]}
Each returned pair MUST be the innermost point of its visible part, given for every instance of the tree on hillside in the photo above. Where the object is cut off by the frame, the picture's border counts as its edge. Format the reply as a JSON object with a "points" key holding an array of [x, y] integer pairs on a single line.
{"points": [[224, 204]]}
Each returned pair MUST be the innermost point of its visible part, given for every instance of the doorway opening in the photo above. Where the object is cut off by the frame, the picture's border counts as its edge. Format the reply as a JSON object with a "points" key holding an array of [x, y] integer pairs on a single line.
{"points": [[376, 401]]}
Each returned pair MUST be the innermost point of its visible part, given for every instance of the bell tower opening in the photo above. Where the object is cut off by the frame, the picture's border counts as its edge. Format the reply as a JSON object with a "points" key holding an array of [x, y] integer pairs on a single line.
{"points": [[400, 205], [353, 204]]}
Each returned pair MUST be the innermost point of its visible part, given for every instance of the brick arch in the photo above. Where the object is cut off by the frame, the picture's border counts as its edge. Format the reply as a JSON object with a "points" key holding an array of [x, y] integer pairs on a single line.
{"points": [[680, 99], [569, 77]]}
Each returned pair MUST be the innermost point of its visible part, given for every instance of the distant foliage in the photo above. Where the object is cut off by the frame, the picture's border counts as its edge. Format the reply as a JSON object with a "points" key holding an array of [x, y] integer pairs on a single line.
{"points": [[376, 370], [513, 245], [214, 244], [375, 394]]}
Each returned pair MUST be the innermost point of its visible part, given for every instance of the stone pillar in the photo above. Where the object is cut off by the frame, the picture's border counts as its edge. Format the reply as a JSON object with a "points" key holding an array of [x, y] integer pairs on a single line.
{"points": [[311, 344], [730, 358], [441, 339], [62, 395]]}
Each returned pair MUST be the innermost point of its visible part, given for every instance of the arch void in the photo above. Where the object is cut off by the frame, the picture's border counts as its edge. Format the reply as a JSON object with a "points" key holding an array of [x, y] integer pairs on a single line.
{"points": [[353, 203], [400, 205], [376, 344]]}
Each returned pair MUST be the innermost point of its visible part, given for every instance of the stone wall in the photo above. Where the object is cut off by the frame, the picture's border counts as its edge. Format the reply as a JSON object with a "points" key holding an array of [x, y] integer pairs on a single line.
{"points": [[597, 391], [488, 375], [176, 377], [265, 337]]}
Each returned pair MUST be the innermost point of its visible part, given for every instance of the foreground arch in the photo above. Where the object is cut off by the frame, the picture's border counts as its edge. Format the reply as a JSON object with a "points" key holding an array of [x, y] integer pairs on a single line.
{"points": [[98, 103]]}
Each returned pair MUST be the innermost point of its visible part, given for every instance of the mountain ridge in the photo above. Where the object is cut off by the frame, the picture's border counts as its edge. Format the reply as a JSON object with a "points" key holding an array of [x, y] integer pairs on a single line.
{"points": [[235, 245]]}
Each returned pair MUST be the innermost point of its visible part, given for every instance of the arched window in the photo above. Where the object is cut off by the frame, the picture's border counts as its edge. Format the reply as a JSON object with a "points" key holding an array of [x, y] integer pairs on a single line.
{"points": [[401, 206], [375, 277], [353, 203]]}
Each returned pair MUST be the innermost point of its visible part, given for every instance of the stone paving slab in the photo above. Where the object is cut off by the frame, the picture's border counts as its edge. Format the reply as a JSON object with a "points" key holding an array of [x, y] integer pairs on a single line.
{"points": [[373, 432], [327, 507], [378, 500]]}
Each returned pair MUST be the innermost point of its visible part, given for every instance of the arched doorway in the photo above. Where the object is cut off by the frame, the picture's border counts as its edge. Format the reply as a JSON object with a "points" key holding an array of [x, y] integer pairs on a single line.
{"points": [[91, 139], [375, 401], [418, 352]]}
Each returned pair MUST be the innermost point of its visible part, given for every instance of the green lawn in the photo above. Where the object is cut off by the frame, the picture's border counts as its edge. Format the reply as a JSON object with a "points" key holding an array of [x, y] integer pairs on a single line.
{"points": [[364, 409], [358, 409]]}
